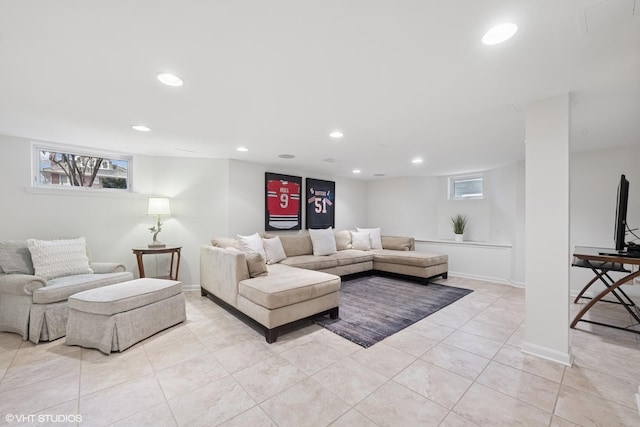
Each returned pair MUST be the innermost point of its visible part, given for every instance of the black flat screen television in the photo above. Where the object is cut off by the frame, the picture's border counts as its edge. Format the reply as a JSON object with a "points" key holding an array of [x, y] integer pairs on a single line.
{"points": [[621, 214]]}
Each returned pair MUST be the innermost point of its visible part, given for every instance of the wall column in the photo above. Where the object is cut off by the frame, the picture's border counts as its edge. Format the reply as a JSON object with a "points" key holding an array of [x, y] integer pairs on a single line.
{"points": [[547, 257]]}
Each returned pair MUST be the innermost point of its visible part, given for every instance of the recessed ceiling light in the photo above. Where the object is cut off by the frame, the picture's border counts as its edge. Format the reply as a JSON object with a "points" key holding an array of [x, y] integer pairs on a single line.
{"points": [[416, 161], [357, 171], [242, 149], [336, 134], [379, 174], [499, 33], [170, 79], [141, 128], [286, 156]]}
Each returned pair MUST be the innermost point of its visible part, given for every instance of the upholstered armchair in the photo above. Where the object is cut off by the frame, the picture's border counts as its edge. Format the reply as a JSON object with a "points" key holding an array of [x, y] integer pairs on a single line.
{"points": [[37, 278]]}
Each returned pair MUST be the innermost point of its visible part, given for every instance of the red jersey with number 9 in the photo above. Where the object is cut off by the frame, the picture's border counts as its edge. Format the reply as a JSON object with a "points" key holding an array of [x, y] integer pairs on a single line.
{"points": [[283, 203]]}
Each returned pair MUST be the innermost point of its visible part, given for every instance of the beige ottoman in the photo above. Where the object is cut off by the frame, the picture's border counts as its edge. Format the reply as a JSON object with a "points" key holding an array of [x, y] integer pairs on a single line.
{"points": [[116, 317]]}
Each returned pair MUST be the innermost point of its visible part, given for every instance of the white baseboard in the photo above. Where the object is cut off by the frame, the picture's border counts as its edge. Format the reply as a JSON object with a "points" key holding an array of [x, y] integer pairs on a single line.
{"points": [[483, 278], [548, 353], [190, 288]]}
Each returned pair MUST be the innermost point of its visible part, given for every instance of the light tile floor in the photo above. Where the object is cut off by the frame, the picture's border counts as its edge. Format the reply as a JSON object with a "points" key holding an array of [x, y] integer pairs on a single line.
{"points": [[462, 366]]}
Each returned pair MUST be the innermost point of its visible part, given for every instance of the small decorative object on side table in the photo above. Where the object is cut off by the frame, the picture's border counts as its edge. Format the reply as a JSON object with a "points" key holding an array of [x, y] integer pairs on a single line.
{"points": [[173, 250], [158, 206]]}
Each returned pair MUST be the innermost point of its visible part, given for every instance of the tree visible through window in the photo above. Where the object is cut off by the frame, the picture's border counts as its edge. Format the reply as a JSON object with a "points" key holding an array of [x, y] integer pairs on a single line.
{"points": [[59, 168]]}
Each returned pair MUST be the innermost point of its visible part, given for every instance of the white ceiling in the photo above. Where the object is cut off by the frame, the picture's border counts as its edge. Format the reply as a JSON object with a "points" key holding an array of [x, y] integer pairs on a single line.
{"points": [[400, 78]]}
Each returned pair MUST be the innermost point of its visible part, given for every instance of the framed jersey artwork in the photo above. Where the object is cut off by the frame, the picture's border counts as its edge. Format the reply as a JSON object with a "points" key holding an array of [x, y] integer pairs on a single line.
{"points": [[321, 203], [282, 202]]}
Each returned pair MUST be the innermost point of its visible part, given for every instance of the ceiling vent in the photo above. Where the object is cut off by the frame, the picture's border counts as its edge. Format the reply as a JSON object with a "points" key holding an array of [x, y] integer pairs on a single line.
{"points": [[607, 14]]}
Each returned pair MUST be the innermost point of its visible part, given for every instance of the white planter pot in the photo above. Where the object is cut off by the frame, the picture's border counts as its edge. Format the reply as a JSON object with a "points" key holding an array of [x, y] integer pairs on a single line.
{"points": [[459, 237]]}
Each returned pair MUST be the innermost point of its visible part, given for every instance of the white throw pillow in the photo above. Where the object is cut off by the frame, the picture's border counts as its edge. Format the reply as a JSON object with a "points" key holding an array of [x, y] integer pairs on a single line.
{"points": [[59, 258], [376, 239], [361, 240], [323, 241], [252, 243], [274, 250]]}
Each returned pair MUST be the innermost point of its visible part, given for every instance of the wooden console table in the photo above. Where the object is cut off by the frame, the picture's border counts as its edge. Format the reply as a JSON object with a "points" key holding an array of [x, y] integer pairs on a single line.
{"points": [[175, 255], [602, 261]]}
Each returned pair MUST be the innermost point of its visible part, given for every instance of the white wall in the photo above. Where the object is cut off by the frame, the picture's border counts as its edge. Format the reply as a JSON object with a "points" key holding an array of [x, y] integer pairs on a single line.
{"points": [[209, 197], [420, 207], [246, 197], [113, 224]]}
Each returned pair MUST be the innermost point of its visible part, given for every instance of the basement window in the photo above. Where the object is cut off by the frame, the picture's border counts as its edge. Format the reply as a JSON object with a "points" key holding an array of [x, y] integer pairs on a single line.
{"points": [[77, 168], [466, 187]]}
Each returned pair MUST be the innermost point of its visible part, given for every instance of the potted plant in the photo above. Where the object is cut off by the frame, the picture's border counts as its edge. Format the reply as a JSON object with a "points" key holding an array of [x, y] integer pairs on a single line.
{"points": [[459, 223]]}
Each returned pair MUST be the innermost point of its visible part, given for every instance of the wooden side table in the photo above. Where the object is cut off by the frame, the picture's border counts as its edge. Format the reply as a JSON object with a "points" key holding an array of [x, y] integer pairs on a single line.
{"points": [[173, 250]]}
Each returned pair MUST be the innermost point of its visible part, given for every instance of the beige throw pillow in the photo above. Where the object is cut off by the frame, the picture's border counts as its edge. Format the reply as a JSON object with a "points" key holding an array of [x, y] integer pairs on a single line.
{"points": [[361, 240], [59, 258], [343, 239], [15, 257], [274, 250], [323, 241], [256, 264], [376, 239]]}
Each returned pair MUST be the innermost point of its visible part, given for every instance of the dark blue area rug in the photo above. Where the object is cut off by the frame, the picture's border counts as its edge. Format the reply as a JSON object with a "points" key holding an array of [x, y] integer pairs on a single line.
{"points": [[373, 308]]}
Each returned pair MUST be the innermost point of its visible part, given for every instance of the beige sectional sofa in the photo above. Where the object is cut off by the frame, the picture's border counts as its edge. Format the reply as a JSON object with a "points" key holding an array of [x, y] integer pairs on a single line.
{"points": [[302, 284]]}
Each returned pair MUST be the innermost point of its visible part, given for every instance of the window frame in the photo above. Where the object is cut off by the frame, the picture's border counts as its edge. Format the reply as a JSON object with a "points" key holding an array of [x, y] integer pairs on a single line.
{"points": [[453, 179], [36, 181]]}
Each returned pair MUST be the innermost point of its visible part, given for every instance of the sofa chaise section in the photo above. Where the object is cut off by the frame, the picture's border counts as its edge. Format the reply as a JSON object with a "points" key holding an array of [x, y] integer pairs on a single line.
{"points": [[284, 295]]}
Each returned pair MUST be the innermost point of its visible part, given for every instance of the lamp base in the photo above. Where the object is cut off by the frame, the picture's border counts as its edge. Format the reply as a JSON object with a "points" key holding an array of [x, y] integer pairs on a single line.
{"points": [[157, 245]]}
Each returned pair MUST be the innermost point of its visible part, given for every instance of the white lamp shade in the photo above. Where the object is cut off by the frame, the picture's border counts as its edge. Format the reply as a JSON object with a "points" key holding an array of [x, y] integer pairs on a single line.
{"points": [[159, 206]]}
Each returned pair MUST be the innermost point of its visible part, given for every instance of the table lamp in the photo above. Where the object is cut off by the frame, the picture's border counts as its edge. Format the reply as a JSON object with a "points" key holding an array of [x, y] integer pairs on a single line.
{"points": [[158, 206]]}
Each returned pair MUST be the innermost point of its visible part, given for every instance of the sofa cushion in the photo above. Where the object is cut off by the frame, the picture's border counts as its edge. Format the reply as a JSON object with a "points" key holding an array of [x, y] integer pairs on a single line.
{"points": [[274, 250], [376, 238], [311, 262], [412, 258], [285, 286], [252, 243], [361, 240], [15, 257], [352, 256], [343, 239], [121, 297], [397, 243], [59, 258], [323, 241], [61, 288], [296, 244]]}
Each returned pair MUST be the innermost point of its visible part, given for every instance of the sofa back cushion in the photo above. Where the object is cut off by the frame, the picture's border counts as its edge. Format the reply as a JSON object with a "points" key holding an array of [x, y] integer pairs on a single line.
{"points": [[398, 243], [15, 257], [296, 244], [58, 258]]}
